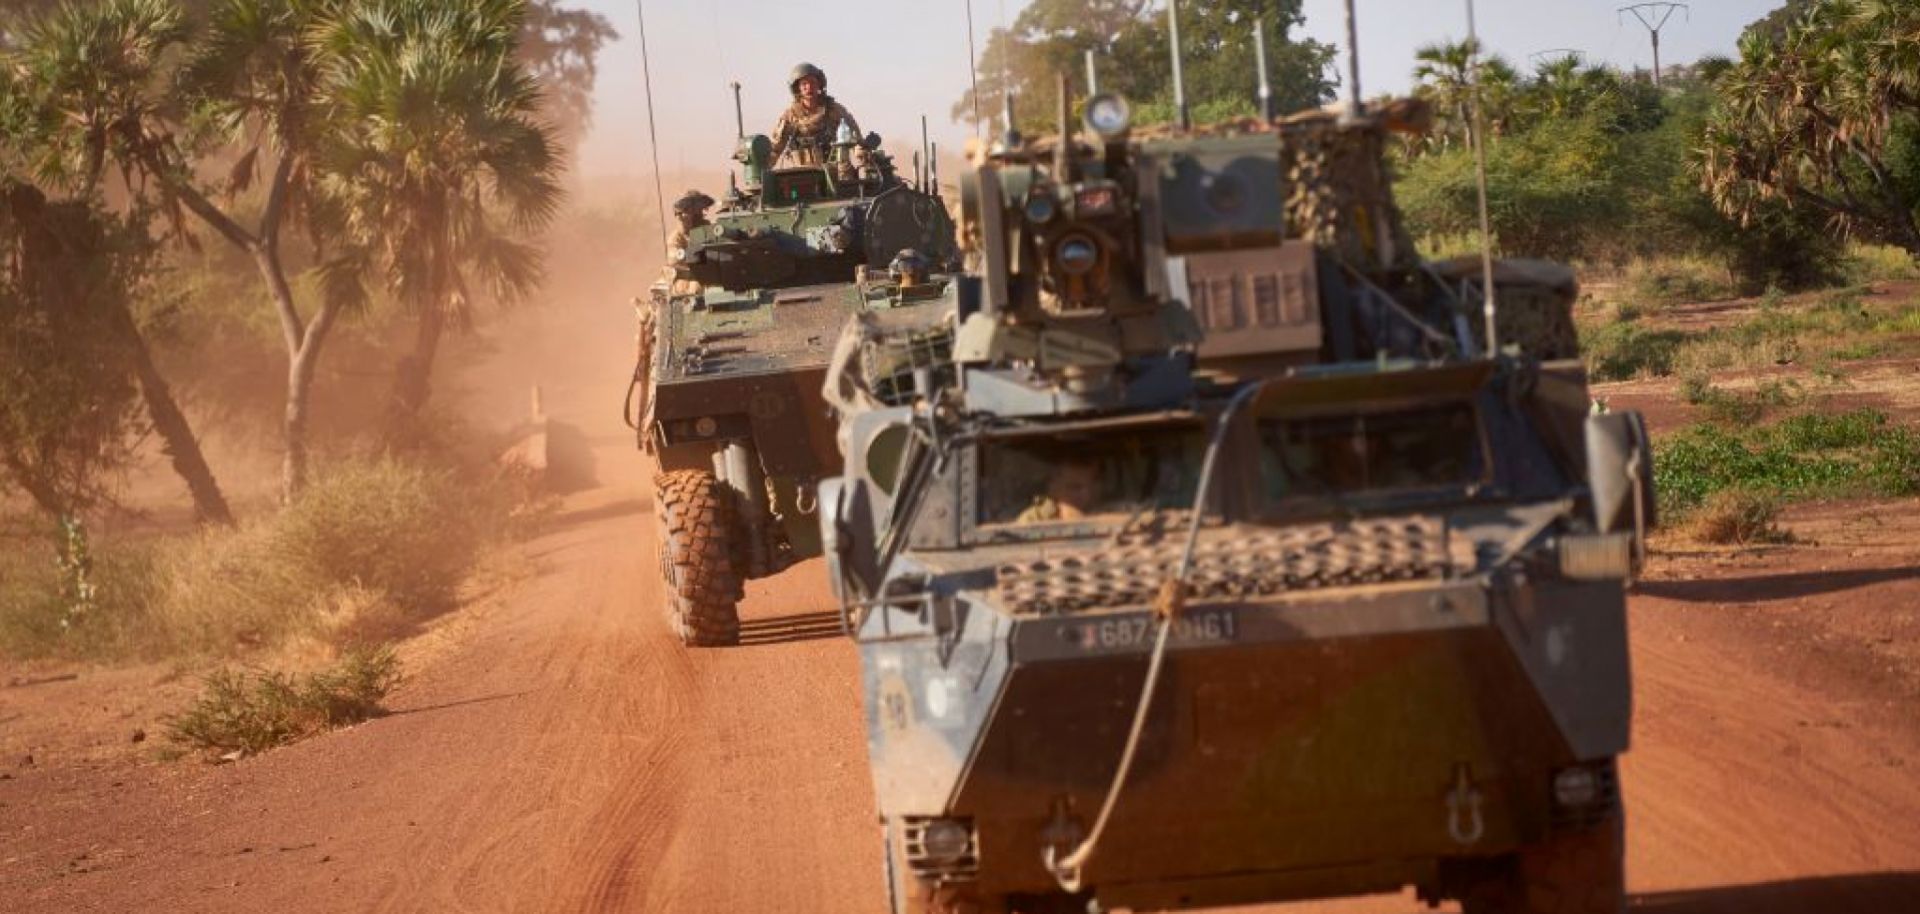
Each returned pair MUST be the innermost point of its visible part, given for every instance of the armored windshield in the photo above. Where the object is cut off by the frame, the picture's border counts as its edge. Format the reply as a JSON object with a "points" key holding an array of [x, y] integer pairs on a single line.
{"points": [[1436, 448], [1089, 474]]}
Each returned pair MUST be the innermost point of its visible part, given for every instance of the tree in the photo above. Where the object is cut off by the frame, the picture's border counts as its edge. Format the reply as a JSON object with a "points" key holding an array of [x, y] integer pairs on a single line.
{"points": [[559, 47], [1824, 115], [1130, 41], [84, 99], [435, 164], [69, 403], [249, 87], [1444, 75]]}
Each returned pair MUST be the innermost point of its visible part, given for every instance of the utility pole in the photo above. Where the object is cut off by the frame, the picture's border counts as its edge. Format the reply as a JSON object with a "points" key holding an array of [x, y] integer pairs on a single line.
{"points": [[1654, 16]]}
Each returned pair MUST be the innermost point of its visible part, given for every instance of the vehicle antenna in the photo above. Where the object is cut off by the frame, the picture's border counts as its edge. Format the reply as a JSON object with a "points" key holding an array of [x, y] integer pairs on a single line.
{"points": [[1654, 16], [1093, 75], [739, 115], [933, 168], [973, 71], [1355, 107], [1182, 117], [653, 137], [1063, 145], [1478, 138], [919, 172], [926, 152], [1260, 62]]}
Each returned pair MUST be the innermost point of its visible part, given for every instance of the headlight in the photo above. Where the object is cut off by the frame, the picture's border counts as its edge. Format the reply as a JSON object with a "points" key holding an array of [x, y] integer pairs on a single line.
{"points": [[945, 841], [705, 426], [1575, 787], [1108, 115], [1077, 255], [1041, 208]]}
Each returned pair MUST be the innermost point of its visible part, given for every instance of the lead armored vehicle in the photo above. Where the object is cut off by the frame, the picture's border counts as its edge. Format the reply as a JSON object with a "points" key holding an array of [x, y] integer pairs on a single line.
{"points": [[1227, 561], [733, 349]]}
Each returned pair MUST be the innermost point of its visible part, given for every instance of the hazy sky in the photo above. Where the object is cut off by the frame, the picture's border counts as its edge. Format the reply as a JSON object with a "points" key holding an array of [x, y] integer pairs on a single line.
{"points": [[890, 61]]}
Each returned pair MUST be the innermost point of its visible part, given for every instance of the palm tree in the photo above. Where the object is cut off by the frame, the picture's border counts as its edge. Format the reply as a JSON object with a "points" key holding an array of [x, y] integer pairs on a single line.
{"points": [[1445, 78], [89, 74], [1808, 116], [435, 167]]}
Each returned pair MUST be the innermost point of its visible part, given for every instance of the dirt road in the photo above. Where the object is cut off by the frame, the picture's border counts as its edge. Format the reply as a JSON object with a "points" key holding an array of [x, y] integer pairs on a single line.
{"points": [[560, 753]]}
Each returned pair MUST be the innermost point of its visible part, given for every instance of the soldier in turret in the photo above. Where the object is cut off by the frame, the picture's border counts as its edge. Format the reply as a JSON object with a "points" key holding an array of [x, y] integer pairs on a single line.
{"points": [[805, 133], [691, 212]]}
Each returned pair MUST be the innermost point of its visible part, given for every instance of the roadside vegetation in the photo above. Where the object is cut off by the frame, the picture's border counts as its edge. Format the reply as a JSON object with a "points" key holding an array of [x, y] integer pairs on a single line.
{"points": [[198, 206], [244, 713]]}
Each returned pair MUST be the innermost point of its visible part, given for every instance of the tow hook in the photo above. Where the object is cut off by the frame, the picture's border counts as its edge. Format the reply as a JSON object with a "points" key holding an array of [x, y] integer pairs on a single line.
{"points": [[1465, 824]]}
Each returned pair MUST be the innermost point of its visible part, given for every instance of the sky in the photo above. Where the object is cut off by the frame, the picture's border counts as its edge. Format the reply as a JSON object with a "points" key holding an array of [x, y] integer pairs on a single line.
{"points": [[891, 61]]}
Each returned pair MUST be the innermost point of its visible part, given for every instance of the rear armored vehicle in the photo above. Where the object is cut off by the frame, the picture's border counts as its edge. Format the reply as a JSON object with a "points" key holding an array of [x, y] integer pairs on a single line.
{"points": [[1227, 559], [734, 346]]}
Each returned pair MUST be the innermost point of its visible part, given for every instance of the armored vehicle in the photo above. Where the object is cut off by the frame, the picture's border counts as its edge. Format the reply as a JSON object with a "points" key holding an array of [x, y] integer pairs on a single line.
{"points": [[733, 347], [1228, 561]]}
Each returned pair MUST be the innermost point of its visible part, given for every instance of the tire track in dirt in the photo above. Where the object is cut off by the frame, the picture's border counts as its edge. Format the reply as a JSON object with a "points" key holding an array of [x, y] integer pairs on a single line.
{"points": [[637, 830]]}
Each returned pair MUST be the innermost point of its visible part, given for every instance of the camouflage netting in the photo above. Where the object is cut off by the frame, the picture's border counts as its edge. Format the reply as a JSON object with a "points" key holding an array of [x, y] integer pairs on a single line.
{"points": [[1535, 299], [1340, 195]]}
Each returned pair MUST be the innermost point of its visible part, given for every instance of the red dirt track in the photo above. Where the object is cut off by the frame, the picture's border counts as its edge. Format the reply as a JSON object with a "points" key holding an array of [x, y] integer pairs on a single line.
{"points": [[560, 752]]}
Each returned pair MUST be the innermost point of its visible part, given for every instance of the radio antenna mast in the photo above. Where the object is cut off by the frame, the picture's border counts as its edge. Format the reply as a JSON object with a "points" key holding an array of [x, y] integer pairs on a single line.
{"points": [[1654, 16], [1181, 115], [1479, 138], [653, 138], [973, 70]]}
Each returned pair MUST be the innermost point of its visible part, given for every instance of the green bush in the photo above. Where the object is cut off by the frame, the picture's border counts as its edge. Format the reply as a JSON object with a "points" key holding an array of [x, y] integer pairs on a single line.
{"points": [[246, 713], [1861, 452]]}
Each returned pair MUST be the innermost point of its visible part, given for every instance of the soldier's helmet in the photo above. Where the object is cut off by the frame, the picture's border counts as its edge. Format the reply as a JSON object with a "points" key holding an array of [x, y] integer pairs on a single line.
{"points": [[804, 71], [692, 201]]}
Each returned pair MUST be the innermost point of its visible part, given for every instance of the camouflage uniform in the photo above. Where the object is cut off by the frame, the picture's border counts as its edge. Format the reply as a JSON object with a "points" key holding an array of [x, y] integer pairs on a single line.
{"points": [[1046, 510], [806, 134]]}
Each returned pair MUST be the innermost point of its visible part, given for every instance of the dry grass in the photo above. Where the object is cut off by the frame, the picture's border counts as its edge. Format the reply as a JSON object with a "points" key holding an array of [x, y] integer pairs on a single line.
{"points": [[1673, 280], [1739, 517], [371, 550], [242, 713], [1880, 263]]}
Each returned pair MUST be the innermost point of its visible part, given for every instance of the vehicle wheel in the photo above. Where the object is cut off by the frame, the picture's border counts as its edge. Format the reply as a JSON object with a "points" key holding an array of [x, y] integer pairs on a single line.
{"points": [[1571, 872], [696, 560]]}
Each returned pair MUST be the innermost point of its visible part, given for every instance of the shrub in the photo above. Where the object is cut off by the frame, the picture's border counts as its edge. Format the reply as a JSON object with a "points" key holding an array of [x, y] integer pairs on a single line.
{"points": [[371, 548], [1854, 453], [1620, 351], [375, 538], [244, 713], [1879, 263], [1673, 280], [1739, 517]]}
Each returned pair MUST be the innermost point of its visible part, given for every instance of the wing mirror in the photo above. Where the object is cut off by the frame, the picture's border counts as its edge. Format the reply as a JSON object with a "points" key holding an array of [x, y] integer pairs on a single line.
{"points": [[1620, 477]]}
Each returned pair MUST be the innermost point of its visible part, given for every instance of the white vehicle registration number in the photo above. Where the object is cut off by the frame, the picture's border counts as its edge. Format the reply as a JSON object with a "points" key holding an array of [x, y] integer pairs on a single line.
{"points": [[1204, 627]]}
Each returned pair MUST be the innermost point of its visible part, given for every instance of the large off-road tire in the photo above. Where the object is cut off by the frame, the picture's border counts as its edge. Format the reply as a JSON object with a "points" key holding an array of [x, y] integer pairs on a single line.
{"points": [[1579, 871], [696, 557]]}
